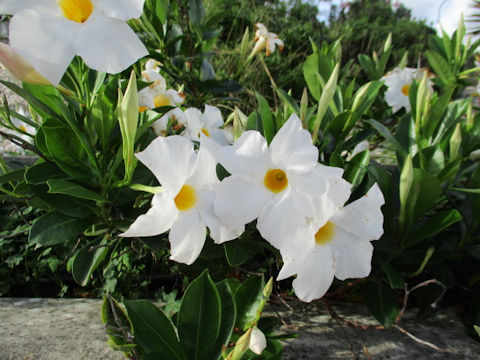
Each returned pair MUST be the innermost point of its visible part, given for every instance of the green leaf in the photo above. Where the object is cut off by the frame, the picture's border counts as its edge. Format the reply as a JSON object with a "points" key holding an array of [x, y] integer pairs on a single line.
{"points": [[57, 186], [196, 11], [365, 96], [228, 317], [396, 280], [287, 99], [382, 303], [40, 173], [248, 298], [440, 67], [199, 318], [432, 159], [266, 115], [55, 228], [117, 325], [429, 191], [357, 168], [161, 9], [14, 175], [438, 222], [407, 201], [153, 331], [383, 130], [236, 252], [368, 66], [325, 99], [87, 260]]}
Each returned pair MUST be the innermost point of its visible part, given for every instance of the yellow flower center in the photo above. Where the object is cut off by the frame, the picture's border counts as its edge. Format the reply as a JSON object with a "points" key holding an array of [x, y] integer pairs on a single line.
{"points": [[22, 127], [275, 180], [405, 89], [325, 234], [76, 10], [186, 198], [142, 109], [206, 132], [161, 100]]}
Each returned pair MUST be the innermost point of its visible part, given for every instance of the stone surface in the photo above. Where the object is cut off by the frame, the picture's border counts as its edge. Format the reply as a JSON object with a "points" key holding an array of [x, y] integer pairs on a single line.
{"points": [[54, 329]]}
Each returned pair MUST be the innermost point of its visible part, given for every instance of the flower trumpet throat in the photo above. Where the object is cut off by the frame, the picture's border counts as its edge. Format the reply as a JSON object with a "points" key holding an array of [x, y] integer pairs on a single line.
{"points": [[275, 180], [76, 10], [325, 234], [186, 198]]}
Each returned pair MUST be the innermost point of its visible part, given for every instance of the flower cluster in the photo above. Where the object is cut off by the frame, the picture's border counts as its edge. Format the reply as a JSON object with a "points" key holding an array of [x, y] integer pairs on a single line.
{"points": [[298, 204], [399, 82]]}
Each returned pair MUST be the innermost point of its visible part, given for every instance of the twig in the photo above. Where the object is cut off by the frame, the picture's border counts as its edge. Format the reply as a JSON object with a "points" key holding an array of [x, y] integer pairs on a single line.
{"points": [[22, 143], [420, 341]]}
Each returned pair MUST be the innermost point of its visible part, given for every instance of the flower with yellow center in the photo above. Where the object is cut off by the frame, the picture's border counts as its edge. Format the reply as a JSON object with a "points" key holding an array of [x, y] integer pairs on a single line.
{"points": [[185, 206], [335, 242], [49, 33], [208, 124], [156, 94], [399, 82], [271, 183], [265, 40]]}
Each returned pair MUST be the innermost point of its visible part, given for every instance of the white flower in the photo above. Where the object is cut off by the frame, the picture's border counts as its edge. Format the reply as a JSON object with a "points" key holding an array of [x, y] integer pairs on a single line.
{"points": [[177, 118], [185, 206], [258, 341], [209, 124], [398, 82], [156, 94], [272, 183], [19, 67], [265, 40], [335, 242], [49, 33]]}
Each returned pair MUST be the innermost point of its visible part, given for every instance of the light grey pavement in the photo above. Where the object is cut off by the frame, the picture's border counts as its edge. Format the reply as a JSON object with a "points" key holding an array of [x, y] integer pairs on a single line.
{"points": [[61, 329]]}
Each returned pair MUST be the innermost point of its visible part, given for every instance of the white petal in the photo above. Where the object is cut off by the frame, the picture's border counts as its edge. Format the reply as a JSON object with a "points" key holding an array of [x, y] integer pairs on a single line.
{"points": [[258, 341], [363, 216], [331, 203], [238, 202], [296, 250], [316, 275], [194, 123], [120, 9], [187, 237], [175, 98], [171, 160], [213, 117], [353, 255], [219, 231], [158, 219], [247, 157], [108, 44], [205, 172], [13, 7], [279, 218], [221, 137], [292, 147], [45, 41]]}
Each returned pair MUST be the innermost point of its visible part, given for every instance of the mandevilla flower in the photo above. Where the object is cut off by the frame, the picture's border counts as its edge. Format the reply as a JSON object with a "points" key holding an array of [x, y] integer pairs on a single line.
{"points": [[19, 67], [156, 94], [334, 243], [398, 82], [209, 124], [49, 33], [185, 206], [265, 40], [272, 183]]}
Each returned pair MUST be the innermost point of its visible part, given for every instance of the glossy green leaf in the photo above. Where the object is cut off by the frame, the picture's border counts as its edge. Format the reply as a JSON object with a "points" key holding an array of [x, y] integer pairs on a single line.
{"points": [[40, 173], [227, 322], [287, 99], [196, 11], [57, 186], [117, 325], [248, 298], [365, 96], [236, 252], [357, 168], [153, 331], [14, 175], [326, 98], [383, 130], [435, 224], [55, 228], [266, 115], [199, 318], [440, 67], [407, 200], [382, 303], [396, 280], [87, 260]]}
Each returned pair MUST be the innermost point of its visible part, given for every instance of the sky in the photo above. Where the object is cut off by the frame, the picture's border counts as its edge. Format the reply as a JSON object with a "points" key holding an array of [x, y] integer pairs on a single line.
{"points": [[438, 13]]}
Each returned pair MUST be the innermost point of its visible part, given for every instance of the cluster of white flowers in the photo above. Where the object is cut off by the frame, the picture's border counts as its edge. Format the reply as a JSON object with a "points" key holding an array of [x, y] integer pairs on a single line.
{"points": [[266, 40], [399, 82], [297, 202]]}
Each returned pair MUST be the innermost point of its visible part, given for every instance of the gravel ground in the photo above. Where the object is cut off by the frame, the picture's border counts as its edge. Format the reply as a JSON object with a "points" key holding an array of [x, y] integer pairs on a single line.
{"points": [[54, 329]]}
